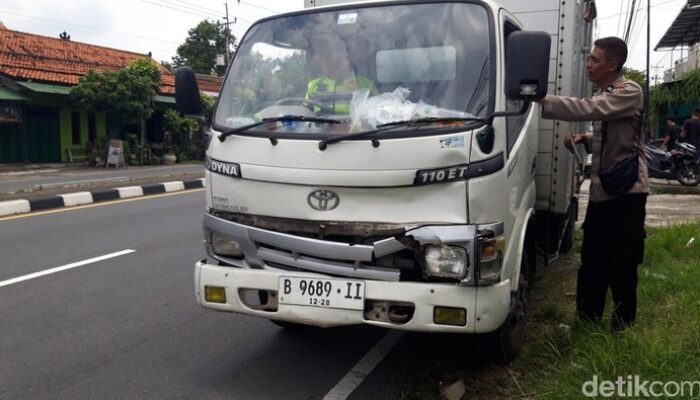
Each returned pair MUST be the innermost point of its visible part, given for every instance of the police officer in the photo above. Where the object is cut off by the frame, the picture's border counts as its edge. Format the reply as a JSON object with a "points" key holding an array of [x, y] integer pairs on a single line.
{"points": [[613, 241], [338, 92], [336, 81]]}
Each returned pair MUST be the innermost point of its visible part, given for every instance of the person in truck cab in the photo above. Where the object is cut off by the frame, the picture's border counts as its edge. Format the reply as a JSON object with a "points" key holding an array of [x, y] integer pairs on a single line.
{"points": [[613, 230], [335, 79], [337, 93]]}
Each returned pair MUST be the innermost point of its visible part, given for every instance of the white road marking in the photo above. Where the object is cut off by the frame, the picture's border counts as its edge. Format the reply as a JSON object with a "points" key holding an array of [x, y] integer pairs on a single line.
{"points": [[343, 389], [64, 267]]}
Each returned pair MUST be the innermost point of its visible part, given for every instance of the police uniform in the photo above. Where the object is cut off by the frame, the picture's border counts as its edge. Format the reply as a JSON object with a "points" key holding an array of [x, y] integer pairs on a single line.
{"points": [[613, 241]]}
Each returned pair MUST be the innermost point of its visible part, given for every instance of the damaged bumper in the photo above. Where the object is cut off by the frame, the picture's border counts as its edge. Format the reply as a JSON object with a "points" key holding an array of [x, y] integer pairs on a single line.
{"points": [[485, 307]]}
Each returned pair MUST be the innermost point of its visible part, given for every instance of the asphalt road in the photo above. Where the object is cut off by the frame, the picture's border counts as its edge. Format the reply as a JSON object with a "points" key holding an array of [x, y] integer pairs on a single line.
{"points": [[128, 327], [13, 181]]}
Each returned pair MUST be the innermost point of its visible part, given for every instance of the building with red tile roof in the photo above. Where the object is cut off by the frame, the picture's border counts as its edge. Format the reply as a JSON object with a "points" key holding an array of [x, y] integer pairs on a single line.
{"points": [[36, 75]]}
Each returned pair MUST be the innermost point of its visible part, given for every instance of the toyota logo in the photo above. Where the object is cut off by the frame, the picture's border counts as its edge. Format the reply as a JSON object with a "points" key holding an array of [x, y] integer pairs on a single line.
{"points": [[323, 200]]}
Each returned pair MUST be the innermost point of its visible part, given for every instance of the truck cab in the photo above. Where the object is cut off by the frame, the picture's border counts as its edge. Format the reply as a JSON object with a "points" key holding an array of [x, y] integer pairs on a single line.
{"points": [[374, 163]]}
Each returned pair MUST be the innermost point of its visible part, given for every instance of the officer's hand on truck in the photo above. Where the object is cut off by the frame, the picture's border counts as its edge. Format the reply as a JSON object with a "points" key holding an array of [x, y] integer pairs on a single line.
{"points": [[576, 138]]}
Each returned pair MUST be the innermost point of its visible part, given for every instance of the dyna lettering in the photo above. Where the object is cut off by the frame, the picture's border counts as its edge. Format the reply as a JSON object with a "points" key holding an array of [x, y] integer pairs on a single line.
{"points": [[223, 168]]}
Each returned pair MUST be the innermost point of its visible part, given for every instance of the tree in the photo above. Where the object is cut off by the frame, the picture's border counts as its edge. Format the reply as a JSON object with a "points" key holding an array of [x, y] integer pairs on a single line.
{"points": [[668, 97], [204, 43], [125, 95], [185, 134], [168, 65], [635, 75]]}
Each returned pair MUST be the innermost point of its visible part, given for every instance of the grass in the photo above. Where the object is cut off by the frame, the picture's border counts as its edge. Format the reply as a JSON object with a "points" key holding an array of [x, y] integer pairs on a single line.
{"points": [[557, 360], [664, 345]]}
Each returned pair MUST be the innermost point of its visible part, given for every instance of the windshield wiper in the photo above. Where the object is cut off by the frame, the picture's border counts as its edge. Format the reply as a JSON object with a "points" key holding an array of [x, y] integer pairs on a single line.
{"points": [[393, 125], [431, 120], [283, 118]]}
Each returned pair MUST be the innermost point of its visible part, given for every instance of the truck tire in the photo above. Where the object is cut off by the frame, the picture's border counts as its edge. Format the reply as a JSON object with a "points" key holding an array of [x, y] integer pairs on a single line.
{"points": [[504, 344]]}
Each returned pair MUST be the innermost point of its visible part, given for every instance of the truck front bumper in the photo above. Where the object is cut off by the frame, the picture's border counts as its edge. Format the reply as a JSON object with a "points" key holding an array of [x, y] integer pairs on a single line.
{"points": [[486, 306]]}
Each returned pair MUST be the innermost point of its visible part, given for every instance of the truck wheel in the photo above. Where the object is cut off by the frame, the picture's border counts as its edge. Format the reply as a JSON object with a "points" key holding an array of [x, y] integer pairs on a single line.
{"points": [[504, 344]]}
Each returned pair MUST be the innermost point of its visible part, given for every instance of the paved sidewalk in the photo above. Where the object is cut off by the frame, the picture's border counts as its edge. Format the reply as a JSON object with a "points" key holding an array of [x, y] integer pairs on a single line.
{"points": [[23, 206], [41, 179], [32, 187], [22, 168], [662, 209]]}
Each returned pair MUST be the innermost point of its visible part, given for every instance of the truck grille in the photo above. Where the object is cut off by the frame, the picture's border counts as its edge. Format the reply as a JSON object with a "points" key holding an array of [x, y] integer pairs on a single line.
{"points": [[377, 256], [290, 260]]}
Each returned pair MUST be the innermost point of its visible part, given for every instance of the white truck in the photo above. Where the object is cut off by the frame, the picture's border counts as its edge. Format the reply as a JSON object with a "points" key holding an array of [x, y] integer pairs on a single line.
{"points": [[383, 163]]}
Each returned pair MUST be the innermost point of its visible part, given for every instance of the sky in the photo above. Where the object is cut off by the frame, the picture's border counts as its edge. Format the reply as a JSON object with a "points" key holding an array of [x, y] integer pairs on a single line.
{"points": [[159, 26]]}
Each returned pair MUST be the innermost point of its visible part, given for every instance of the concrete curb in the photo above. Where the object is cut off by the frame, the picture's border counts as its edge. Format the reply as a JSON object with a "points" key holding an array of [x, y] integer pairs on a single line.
{"points": [[13, 207]]}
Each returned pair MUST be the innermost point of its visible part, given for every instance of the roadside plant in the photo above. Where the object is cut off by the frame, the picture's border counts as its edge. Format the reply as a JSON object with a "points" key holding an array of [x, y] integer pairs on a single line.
{"points": [[669, 97], [181, 136], [125, 96], [184, 135]]}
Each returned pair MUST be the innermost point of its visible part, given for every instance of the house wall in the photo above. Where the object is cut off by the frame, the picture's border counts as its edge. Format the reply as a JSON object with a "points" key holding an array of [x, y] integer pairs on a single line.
{"points": [[79, 152], [12, 143]]}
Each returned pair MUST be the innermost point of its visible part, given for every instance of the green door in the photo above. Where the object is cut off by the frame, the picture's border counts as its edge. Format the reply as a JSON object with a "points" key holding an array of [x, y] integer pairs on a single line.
{"points": [[11, 143], [43, 134]]}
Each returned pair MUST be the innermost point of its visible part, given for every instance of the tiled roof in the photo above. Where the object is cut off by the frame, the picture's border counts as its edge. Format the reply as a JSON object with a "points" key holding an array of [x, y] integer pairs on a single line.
{"points": [[26, 56], [206, 83], [209, 83]]}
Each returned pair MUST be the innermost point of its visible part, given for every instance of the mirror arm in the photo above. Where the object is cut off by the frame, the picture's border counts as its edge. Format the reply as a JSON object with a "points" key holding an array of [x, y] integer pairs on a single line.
{"points": [[526, 104], [486, 137]]}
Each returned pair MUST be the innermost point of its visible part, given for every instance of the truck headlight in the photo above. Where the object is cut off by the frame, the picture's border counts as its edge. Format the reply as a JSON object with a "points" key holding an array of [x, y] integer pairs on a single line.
{"points": [[445, 261], [223, 245], [491, 259]]}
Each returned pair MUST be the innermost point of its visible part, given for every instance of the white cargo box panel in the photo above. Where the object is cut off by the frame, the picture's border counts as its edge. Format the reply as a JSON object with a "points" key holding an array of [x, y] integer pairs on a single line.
{"points": [[571, 41]]}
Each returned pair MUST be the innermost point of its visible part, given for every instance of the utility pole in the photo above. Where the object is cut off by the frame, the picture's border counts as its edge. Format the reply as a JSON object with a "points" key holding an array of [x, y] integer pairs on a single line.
{"points": [[647, 128], [228, 35]]}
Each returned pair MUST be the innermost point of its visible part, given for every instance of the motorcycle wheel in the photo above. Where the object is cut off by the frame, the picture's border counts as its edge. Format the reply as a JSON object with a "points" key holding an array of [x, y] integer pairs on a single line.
{"points": [[689, 175]]}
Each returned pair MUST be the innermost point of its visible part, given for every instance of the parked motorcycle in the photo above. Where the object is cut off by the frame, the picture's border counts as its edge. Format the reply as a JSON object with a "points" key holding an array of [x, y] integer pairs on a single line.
{"points": [[680, 163]]}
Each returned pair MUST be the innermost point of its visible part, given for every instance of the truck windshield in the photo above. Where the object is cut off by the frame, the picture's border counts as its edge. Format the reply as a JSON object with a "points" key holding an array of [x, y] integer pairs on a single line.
{"points": [[364, 67]]}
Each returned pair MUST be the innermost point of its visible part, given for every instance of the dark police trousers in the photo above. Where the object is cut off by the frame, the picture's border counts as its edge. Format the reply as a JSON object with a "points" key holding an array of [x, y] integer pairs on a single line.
{"points": [[613, 247]]}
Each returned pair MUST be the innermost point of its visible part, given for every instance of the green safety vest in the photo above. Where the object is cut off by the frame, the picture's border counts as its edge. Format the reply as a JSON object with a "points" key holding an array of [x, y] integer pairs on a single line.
{"points": [[324, 84]]}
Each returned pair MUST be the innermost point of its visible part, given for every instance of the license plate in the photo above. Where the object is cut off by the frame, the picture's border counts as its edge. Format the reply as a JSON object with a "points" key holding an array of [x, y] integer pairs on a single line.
{"points": [[327, 293]]}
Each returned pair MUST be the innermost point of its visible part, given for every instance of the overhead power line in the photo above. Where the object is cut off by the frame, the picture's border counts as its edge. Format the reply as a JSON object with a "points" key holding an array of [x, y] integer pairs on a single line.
{"points": [[53, 21], [638, 9], [193, 5], [186, 11], [257, 6], [195, 8], [619, 19], [637, 30], [629, 24]]}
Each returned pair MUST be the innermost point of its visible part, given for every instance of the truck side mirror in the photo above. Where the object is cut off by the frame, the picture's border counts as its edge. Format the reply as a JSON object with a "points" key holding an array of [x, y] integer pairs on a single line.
{"points": [[527, 65], [187, 99]]}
